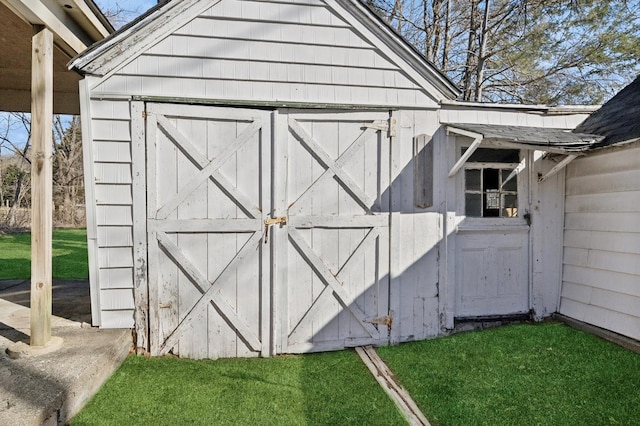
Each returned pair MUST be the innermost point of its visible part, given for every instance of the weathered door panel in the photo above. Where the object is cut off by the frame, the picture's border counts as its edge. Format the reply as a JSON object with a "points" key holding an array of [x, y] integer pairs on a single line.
{"points": [[208, 184], [325, 245], [492, 273], [336, 283]]}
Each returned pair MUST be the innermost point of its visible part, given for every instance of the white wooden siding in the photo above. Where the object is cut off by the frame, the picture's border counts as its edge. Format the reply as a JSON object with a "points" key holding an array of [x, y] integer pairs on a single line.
{"points": [[601, 277], [268, 51], [415, 235], [110, 128]]}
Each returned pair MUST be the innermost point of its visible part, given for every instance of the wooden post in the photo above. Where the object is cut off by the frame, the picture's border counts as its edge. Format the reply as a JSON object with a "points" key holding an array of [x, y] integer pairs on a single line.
{"points": [[41, 184]]}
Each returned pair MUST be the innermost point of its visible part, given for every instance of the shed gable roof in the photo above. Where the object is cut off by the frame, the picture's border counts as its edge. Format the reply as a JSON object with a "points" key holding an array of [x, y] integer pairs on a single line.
{"points": [[324, 28], [619, 119]]}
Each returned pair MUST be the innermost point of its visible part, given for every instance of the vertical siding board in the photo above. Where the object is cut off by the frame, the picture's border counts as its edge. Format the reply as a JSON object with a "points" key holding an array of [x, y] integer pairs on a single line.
{"points": [[88, 170], [546, 215], [193, 342], [155, 332], [280, 235], [266, 201], [222, 248], [139, 226]]}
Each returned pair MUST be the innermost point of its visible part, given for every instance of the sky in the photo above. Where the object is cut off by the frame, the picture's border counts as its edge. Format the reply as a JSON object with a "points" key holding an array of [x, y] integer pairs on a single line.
{"points": [[130, 8]]}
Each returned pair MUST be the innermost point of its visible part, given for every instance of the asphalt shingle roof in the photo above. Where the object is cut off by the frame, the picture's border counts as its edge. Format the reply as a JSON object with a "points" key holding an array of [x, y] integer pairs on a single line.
{"points": [[619, 119]]}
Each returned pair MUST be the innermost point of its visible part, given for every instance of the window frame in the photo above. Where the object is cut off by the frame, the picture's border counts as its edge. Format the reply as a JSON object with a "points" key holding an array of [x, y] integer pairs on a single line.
{"points": [[522, 186], [502, 167]]}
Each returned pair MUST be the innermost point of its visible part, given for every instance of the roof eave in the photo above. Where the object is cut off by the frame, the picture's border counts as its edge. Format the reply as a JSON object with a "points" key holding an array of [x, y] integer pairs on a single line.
{"points": [[582, 143], [74, 28]]}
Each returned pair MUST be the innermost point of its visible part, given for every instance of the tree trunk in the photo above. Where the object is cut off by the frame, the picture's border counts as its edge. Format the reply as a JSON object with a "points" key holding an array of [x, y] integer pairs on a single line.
{"points": [[447, 36], [471, 54], [481, 53], [437, 30], [397, 12]]}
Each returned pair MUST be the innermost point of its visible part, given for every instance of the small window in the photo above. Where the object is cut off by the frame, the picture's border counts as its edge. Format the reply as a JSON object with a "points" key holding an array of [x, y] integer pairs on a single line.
{"points": [[491, 183]]}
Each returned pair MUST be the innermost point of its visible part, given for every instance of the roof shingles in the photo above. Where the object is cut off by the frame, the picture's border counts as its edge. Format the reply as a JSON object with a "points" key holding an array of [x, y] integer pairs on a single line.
{"points": [[619, 119]]}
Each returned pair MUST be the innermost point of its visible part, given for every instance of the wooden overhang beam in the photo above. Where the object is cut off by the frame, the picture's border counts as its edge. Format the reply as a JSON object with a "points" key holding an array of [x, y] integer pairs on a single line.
{"points": [[477, 140], [561, 165], [44, 13]]}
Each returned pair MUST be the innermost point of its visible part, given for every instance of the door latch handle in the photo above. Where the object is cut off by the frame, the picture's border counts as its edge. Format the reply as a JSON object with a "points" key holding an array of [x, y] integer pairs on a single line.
{"points": [[281, 220]]}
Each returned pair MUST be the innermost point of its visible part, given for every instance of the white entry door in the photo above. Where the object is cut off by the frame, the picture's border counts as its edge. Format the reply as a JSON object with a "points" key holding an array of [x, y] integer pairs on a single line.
{"points": [[208, 185], [492, 239], [333, 173]]}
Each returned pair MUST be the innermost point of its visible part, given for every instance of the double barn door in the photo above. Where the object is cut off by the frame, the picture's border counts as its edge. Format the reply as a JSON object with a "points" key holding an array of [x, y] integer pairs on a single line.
{"points": [[267, 230]]}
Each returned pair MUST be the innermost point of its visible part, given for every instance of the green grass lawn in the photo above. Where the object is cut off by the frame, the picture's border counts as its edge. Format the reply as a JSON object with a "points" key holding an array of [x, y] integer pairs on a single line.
{"points": [[545, 374], [69, 255], [332, 388]]}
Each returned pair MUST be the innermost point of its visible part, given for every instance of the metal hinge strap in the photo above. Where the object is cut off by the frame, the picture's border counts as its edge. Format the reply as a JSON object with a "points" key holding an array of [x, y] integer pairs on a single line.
{"points": [[384, 320], [387, 125]]}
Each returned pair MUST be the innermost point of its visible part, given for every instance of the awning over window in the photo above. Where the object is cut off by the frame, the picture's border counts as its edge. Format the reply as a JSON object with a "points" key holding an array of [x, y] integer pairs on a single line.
{"points": [[540, 138], [557, 141]]}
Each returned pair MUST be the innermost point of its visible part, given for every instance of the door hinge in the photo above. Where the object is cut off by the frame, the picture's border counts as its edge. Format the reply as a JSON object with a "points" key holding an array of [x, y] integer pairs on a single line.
{"points": [[384, 320], [144, 115], [387, 125]]}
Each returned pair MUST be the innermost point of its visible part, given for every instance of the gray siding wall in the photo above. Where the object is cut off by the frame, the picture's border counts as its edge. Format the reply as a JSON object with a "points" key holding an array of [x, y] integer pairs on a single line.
{"points": [[268, 51], [601, 280]]}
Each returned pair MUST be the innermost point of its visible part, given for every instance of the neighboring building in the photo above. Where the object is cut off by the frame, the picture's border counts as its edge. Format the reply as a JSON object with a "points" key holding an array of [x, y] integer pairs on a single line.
{"points": [[601, 279], [291, 176]]}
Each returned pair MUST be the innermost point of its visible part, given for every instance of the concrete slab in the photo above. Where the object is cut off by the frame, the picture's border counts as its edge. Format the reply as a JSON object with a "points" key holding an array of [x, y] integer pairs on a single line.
{"points": [[51, 388]]}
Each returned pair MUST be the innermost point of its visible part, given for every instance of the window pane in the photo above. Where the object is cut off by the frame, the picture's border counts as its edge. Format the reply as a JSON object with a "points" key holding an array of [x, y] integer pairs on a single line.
{"points": [[511, 184], [472, 180], [489, 155], [491, 203], [510, 203], [491, 179], [473, 205]]}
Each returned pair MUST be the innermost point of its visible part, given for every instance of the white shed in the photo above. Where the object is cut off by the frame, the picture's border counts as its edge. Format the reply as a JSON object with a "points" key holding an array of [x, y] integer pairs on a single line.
{"points": [[290, 176]]}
